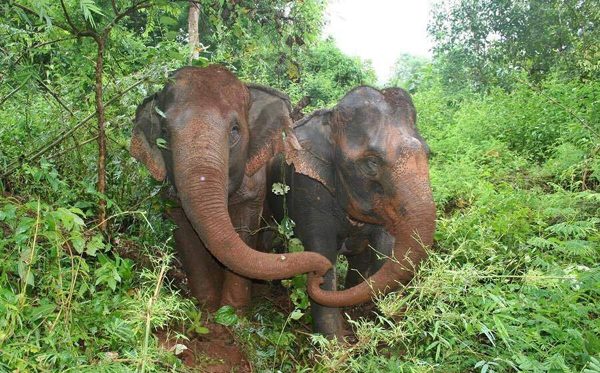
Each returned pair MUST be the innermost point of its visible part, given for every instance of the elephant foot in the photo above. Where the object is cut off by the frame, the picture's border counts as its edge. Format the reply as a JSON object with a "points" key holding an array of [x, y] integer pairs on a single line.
{"points": [[210, 302], [208, 294], [329, 322], [236, 291]]}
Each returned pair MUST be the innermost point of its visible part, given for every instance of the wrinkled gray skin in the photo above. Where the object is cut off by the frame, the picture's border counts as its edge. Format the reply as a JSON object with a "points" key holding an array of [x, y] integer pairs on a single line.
{"points": [[362, 172]]}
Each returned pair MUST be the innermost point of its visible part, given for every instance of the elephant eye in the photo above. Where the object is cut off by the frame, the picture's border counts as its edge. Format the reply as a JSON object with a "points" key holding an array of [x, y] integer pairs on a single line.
{"points": [[369, 166], [234, 134]]}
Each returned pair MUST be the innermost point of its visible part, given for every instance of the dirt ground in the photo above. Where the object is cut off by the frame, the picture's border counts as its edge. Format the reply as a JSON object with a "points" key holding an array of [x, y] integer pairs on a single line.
{"points": [[216, 352]]}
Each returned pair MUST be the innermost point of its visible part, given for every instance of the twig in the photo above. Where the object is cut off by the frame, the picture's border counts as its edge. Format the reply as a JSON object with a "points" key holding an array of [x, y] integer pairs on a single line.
{"points": [[57, 24], [13, 92], [163, 269], [143, 213], [36, 154], [114, 6], [74, 29], [119, 16], [31, 255], [56, 97], [78, 145], [38, 46]]}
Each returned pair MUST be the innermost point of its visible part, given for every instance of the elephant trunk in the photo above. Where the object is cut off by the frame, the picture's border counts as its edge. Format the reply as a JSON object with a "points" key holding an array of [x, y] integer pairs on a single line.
{"points": [[411, 220], [201, 179]]}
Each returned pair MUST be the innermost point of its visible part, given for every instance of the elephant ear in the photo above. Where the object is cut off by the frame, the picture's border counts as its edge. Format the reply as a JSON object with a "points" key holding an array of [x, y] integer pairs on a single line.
{"points": [[270, 126], [146, 133], [314, 158]]}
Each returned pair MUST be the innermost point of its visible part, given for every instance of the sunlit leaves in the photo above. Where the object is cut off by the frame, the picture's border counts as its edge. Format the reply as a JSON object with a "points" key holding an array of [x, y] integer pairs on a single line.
{"points": [[89, 8], [226, 316]]}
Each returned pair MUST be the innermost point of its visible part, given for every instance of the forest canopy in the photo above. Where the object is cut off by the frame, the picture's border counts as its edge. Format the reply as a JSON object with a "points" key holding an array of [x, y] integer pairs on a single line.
{"points": [[509, 103]]}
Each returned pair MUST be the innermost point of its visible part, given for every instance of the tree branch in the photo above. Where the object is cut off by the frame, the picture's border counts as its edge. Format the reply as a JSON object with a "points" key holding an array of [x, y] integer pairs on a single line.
{"points": [[128, 11], [114, 6], [40, 45], [13, 92], [562, 106], [57, 24], [58, 139], [74, 29], [77, 146], [56, 97]]}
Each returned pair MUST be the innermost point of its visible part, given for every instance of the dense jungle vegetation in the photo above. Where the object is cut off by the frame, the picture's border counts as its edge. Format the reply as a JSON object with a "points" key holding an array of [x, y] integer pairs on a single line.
{"points": [[509, 104]]}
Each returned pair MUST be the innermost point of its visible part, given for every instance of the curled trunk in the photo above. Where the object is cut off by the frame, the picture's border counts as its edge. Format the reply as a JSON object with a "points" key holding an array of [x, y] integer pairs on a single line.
{"points": [[201, 178], [413, 226]]}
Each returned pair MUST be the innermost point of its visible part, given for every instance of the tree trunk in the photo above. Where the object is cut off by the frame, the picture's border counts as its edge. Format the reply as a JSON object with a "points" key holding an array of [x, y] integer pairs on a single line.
{"points": [[194, 42], [101, 186]]}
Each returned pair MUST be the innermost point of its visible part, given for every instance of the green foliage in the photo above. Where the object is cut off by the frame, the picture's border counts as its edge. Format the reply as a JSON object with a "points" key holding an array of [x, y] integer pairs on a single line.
{"points": [[226, 316], [291, 244], [508, 105], [60, 307], [480, 44], [327, 74], [409, 72]]}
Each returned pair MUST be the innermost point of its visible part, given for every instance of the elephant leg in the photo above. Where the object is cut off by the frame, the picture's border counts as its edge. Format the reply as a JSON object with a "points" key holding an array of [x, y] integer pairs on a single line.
{"points": [[236, 288], [358, 267], [327, 320], [204, 273], [245, 208], [369, 259], [317, 218]]}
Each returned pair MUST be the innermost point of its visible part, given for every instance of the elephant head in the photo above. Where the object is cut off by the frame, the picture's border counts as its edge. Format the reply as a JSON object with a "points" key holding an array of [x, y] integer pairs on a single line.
{"points": [[369, 154], [203, 132]]}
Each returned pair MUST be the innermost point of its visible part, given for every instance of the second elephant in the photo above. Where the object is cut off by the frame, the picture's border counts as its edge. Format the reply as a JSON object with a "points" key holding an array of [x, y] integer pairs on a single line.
{"points": [[362, 171]]}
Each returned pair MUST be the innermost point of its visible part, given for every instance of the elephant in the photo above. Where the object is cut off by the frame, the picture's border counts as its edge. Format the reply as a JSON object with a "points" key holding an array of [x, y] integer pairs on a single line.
{"points": [[210, 136], [360, 178]]}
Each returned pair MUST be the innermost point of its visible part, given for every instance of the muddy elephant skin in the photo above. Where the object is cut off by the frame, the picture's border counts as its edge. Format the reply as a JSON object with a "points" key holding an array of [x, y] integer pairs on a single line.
{"points": [[360, 179], [216, 135]]}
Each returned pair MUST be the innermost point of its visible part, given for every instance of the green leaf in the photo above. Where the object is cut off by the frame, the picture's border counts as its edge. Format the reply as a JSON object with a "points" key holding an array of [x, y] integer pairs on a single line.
{"points": [[296, 314], [8, 213], [25, 274], [201, 330], [295, 245], [162, 143], [201, 62], [168, 21], [95, 244], [226, 316], [78, 242], [87, 8], [593, 366], [286, 227], [41, 311]]}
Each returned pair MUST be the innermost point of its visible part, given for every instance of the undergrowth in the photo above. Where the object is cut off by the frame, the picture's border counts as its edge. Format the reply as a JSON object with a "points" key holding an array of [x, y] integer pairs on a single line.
{"points": [[511, 284], [68, 301]]}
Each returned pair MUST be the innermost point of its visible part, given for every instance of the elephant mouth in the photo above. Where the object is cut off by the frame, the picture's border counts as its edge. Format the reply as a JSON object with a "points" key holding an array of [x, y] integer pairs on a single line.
{"points": [[355, 223]]}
